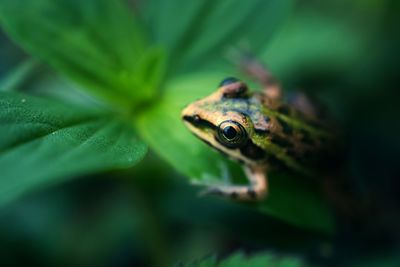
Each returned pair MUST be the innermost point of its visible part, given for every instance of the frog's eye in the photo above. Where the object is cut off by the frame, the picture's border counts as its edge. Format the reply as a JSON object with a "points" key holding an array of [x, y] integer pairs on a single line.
{"points": [[231, 134]]}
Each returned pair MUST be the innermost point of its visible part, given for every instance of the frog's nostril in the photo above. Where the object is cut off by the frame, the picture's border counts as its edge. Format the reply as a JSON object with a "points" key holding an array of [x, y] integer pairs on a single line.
{"points": [[192, 119], [196, 118]]}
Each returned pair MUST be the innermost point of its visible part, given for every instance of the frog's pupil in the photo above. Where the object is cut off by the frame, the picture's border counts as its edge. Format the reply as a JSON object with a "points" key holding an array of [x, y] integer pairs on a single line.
{"points": [[230, 132], [228, 81]]}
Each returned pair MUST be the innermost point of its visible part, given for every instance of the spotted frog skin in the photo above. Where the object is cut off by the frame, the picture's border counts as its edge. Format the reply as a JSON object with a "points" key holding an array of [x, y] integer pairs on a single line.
{"points": [[257, 131]]}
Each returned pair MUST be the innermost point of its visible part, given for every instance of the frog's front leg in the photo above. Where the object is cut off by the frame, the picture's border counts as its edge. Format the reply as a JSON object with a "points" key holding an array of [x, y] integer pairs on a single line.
{"points": [[256, 190]]}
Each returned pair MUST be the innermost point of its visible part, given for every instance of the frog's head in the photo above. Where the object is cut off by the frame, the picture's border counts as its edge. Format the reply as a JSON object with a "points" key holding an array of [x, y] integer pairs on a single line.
{"points": [[226, 121]]}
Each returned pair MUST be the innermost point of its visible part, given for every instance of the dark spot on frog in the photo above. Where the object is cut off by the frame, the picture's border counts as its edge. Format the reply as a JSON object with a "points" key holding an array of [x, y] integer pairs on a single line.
{"points": [[300, 156], [306, 138], [251, 193], [275, 162], [281, 141], [261, 131], [234, 195], [285, 127], [264, 130], [252, 151], [284, 110]]}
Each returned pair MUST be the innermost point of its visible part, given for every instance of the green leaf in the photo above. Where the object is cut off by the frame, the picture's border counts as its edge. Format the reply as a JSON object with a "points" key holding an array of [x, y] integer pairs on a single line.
{"points": [[97, 43], [259, 260], [44, 142], [291, 199], [205, 30]]}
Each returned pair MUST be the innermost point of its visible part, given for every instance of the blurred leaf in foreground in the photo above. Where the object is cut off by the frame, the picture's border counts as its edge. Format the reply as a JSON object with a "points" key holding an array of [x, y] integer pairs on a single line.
{"points": [[96, 43], [311, 42], [18, 75], [204, 30], [261, 260], [43, 142]]}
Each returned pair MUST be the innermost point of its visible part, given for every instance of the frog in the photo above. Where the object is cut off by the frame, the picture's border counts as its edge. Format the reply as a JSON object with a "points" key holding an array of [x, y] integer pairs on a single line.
{"points": [[259, 131]]}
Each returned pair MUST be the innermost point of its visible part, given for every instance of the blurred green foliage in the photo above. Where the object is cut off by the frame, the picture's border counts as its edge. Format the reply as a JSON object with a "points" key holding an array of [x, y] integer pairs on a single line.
{"points": [[109, 78], [238, 259]]}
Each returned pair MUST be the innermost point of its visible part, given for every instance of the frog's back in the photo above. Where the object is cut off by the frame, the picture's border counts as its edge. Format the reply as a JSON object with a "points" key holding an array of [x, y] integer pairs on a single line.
{"points": [[295, 140]]}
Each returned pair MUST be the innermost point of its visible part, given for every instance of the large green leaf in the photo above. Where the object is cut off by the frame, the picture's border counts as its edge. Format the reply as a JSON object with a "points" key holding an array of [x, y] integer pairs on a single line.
{"points": [[97, 43], [197, 32], [292, 199], [43, 142]]}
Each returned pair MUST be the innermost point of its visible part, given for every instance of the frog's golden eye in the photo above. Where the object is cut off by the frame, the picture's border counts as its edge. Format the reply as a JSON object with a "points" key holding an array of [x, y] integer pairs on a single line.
{"points": [[231, 134]]}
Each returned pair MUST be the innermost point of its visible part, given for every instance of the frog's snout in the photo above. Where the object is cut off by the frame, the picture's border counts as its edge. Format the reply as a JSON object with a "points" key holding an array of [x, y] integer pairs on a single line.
{"points": [[188, 111], [190, 115]]}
